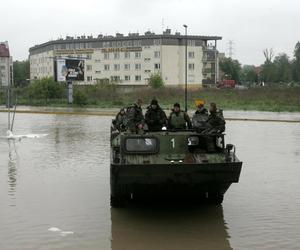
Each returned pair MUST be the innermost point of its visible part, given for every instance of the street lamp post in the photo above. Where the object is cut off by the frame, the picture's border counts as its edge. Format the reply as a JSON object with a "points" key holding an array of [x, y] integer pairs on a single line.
{"points": [[185, 26]]}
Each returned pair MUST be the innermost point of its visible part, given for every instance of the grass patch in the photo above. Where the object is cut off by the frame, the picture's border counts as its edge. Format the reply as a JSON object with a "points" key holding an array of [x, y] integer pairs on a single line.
{"points": [[277, 99]]}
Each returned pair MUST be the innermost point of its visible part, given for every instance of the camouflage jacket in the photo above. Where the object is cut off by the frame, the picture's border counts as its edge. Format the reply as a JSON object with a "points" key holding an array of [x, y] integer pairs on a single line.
{"points": [[135, 116]]}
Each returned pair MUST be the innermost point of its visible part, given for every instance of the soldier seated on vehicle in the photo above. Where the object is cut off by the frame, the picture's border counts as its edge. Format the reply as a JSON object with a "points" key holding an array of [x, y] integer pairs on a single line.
{"points": [[121, 120], [178, 119], [135, 117], [200, 117], [155, 117], [215, 122]]}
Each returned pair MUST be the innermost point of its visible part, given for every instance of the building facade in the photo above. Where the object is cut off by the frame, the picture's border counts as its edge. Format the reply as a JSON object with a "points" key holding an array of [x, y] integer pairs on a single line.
{"points": [[130, 60], [6, 65]]}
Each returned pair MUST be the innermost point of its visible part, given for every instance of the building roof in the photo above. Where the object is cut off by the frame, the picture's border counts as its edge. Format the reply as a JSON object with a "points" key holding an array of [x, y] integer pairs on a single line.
{"points": [[131, 36], [4, 50]]}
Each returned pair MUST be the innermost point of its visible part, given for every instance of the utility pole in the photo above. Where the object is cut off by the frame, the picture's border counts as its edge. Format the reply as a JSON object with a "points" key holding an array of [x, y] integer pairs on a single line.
{"points": [[185, 26], [230, 48]]}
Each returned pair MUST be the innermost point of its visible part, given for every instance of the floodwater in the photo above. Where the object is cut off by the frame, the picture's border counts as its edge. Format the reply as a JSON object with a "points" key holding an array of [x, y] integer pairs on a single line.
{"points": [[61, 182]]}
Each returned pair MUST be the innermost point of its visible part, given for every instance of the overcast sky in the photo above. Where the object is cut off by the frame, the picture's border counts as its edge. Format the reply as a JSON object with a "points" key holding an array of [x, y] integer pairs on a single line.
{"points": [[252, 25]]}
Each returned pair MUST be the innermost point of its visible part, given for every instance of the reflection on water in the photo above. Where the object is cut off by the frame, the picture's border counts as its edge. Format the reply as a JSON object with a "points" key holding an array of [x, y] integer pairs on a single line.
{"points": [[12, 166], [169, 227]]}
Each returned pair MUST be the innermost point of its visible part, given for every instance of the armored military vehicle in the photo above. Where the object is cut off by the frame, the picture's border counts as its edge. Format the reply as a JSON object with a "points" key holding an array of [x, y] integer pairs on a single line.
{"points": [[184, 163]]}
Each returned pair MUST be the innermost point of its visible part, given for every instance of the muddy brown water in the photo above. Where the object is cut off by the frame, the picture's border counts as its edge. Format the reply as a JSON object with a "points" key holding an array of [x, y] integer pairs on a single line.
{"points": [[62, 181]]}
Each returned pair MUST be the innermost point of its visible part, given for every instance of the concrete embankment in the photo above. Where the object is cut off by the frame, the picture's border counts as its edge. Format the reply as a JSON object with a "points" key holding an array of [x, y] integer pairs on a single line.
{"points": [[229, 115]]}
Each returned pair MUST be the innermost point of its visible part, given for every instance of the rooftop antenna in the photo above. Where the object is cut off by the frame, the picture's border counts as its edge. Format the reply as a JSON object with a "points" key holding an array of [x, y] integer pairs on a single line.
{"points": [[163, 24]]}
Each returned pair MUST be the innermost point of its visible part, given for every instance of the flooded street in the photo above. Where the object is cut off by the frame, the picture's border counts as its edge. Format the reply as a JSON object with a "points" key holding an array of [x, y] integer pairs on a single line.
{"points": [[61, 182]]}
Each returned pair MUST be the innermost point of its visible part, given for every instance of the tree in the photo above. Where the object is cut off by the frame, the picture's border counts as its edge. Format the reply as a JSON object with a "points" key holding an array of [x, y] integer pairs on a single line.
{"points": [[296, 63], [21, 72], [249, 74], [46, 88], [268, 68], [269, 54], [231, 68], [156, 81], [282, 65]]}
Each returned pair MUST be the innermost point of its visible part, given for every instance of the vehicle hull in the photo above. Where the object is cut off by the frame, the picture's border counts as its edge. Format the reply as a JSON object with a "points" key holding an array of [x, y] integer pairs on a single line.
{"points": [[173, 180]]}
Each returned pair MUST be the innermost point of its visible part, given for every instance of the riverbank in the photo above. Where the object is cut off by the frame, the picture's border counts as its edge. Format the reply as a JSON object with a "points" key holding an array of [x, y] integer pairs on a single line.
{"points": [[274, 99], [230, 115]]}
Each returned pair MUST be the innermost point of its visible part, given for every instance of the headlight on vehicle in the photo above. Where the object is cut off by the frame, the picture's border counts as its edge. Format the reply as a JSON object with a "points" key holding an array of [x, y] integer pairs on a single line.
{"points": [[193, 141]]}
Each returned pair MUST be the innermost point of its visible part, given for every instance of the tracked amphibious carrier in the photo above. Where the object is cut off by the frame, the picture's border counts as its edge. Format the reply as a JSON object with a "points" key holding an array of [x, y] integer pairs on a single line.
{"points": [[184, 163]]}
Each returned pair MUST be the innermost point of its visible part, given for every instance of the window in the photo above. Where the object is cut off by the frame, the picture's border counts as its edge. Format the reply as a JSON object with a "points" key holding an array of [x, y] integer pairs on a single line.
{"points": [[141, 145], [106, 55], [89, 78], [137, 66], [157, 65], [191, 42], [138, 78], [127, 78], [127, 66], [147, 71], [137, 43], [116, 67], [127, 55], [191, 66], [147, 59], [106, 66], [98, 71], [191, 54], [115, 78], [157, 54], [116, 55], [89, 67], [137, 54], [157, 42]]}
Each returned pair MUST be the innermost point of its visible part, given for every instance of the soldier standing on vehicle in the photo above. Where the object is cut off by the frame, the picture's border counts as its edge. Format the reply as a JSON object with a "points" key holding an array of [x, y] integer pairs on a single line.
{"points": [[135, 117], [200, 117], [155, 117], [178, 119], [215, 121], [121, 120]]}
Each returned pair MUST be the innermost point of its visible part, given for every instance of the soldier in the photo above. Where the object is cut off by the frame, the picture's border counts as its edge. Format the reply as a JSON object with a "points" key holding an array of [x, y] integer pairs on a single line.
{"points": [[121, 120], [178, 119], [135, 117], [200, 108], [155, 117], [200, 117], [215, 121]]}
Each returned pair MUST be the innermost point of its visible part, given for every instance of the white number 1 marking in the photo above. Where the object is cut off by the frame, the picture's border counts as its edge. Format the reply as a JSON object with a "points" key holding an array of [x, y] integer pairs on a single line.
{"points": [[173, 142]]}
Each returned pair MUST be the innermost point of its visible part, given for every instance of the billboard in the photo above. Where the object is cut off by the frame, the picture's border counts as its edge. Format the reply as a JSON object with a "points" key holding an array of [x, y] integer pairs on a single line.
{"points": [[69, 70]]}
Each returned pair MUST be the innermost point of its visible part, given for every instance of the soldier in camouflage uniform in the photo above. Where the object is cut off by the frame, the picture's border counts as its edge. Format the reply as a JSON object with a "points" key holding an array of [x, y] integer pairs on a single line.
{"points": [[215, 121], [178, 119], [155, 117], [121, 120], [135, 117]]}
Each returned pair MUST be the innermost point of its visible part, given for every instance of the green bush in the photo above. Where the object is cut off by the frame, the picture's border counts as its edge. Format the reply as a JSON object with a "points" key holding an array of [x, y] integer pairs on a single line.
{"points": [[80, 98], [156, 81], [46, 88]]}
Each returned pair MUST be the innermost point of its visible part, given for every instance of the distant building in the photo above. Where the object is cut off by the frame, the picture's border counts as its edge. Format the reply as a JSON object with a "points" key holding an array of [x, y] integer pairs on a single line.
{"points": [[6, 65], [131, 59]]}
